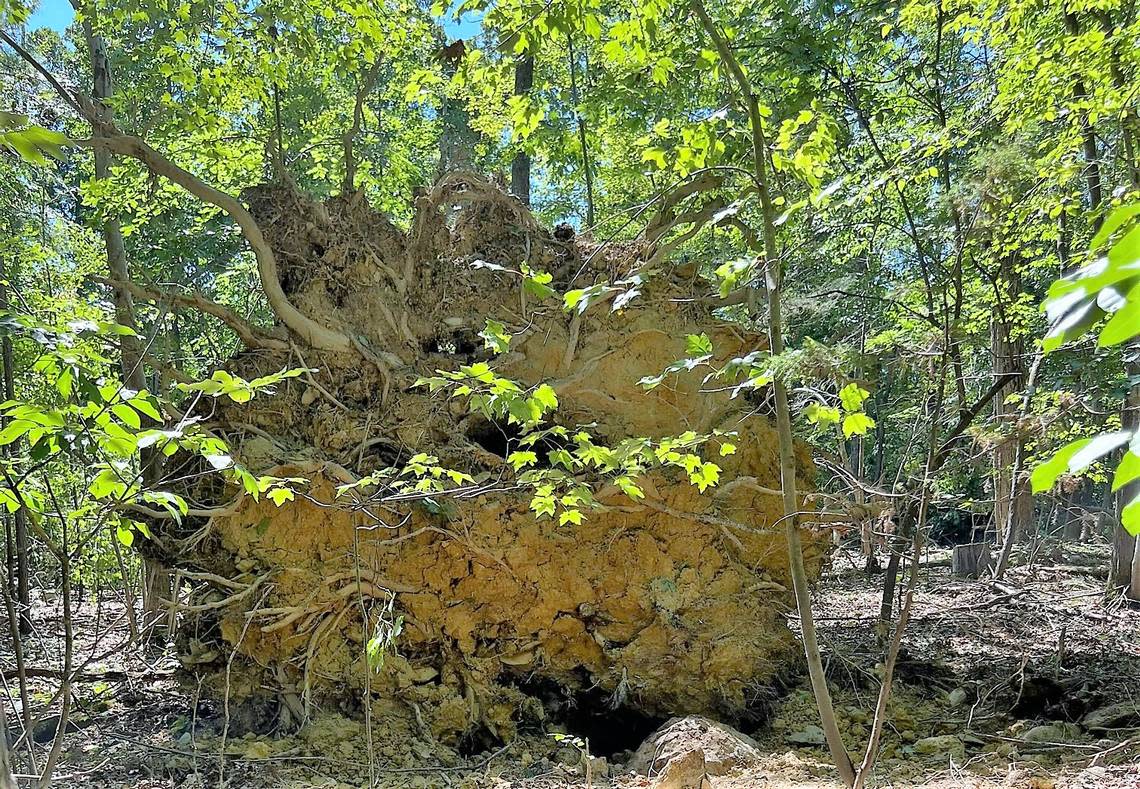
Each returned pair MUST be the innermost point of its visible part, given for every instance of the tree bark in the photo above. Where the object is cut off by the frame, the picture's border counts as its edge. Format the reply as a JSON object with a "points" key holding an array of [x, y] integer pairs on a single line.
{"points": [[22, 557], [1124, 572], [130, 348], [7, 779], [520, 167], [773, 277], [1008, 365]]}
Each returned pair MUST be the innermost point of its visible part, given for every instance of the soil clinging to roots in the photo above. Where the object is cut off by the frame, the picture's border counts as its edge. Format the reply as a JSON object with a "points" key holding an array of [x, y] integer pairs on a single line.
{"points": [[671, 604]]}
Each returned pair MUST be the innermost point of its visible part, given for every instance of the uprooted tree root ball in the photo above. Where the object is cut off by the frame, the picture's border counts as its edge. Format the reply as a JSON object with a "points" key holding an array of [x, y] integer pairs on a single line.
{"points": [[672, 603]]}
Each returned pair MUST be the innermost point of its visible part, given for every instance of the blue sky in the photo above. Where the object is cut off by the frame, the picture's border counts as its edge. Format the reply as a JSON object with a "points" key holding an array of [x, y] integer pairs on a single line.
{"points": [[57, 14]]}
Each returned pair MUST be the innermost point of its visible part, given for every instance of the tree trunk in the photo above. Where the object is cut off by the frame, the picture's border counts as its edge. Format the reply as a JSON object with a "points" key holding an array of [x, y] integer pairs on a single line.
{"points": [[520, 167], [1007, 355], [1124, 571], [773, 281], [7, 779], [19, 566], [583, 140], [157, 583], [456, 139]]}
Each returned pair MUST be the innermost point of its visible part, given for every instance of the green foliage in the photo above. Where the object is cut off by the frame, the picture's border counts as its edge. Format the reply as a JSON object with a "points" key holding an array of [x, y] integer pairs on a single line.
{"points": [[33, 143], [1110, 285], [564, 466], [81, 416]]}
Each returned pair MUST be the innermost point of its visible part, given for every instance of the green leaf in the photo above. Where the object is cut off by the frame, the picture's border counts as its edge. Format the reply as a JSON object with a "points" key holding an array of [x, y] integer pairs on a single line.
{"points": [[857, 424], [125, 536], [280, 495], [1130, 517], [629, 488], [15, 430], [705, 475], [142, 403], [823, 415], [1127, 471], [698, 345], [1124, 323], [546, 397], [524, 411], [495, 337], [543, 505], [852, 396], [570, 516], [521, 459], [1073, 457], [1114, 222], [128, 415]]}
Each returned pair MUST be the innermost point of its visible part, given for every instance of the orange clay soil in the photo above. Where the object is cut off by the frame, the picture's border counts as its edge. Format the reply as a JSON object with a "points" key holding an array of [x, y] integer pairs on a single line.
{"points": [[672, 604]]}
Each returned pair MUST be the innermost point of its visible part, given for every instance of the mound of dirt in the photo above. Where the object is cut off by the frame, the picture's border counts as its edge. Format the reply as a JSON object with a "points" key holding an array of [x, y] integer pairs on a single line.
{"points": [[482, 616]]}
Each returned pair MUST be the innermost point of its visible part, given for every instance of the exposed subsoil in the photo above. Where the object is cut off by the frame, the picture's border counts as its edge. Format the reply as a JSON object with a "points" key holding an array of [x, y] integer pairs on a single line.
{"points": [[984, 699], [670, 603]]}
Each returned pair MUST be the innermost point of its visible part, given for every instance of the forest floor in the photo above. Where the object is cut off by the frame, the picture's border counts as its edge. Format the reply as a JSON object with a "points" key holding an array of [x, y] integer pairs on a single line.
{"points": [[1034, 682]]}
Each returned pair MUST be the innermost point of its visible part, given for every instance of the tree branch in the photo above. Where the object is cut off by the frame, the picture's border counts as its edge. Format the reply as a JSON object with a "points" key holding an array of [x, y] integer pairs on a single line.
{"points": [[109, 138], [251, 336], [968, 416], [309, 330]]}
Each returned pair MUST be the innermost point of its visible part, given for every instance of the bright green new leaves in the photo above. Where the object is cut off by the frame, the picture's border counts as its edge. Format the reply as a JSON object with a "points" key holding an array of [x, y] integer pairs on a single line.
{"points": [[851, 397], [698, 345], [732, 274], [222, 384], [857, 424], [496, 337], [525, 115], [33, 143], [82, 416], [822, 415], [494, 396], [521, 459], [855, 421], [554, 461], [421, 476], [1108, 285]]}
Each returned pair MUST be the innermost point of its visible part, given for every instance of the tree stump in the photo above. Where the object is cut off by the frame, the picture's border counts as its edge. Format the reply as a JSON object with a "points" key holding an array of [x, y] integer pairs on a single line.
{"points": [[971, 559]]}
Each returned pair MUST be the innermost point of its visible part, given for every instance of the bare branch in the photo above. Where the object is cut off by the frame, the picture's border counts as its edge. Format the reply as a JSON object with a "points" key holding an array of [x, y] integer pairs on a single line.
{"points": [[251, 336]]}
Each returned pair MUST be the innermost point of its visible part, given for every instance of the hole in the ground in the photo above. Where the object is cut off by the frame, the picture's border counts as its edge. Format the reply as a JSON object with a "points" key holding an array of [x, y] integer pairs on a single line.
{"points": [[496, 438], [477, 741], [461, 342], [502, 439], [609, 731], [590, 714]]}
